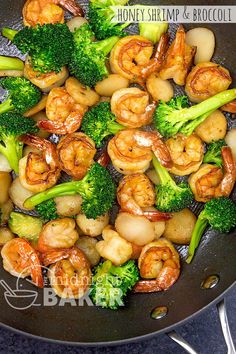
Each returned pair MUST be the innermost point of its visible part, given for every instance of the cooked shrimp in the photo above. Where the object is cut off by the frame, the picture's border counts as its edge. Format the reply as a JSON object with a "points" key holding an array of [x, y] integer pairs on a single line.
{"points": [[206, 80], [131, 107], [211, 181], [131, 151], [131, 57], [56, 234], [47, 81], [47, 11], [159, 260], [136, 192], [186, 153], [39, 171], [229, 107], [70, 276], [76, 152], [178, 59], [64, 114], [21, 260]]}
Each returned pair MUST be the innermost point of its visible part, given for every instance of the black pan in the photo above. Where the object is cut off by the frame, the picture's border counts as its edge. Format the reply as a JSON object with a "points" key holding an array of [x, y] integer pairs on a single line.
{"points": [[88, 325]]}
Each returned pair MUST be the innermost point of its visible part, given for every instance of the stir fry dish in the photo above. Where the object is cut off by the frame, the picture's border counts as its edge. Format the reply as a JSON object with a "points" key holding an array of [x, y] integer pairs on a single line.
{"points": [[101, 161]]}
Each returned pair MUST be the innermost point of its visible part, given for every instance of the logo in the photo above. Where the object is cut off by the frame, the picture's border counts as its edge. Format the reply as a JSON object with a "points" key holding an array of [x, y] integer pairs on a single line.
{"points": [[22, 298]]}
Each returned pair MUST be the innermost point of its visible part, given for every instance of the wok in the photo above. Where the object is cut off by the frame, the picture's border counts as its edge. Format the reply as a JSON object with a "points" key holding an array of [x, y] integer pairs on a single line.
{"points": [[90, 325]]}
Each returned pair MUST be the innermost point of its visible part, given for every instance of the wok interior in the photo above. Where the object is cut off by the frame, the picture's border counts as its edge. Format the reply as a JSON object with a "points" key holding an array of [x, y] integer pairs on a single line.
{"points": [[89, 324]]}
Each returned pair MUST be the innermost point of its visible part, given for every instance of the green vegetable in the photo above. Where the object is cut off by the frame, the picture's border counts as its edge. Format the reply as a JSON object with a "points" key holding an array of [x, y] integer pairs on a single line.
{"points": [[47, 210], [175, 116], [100, 16], [97, 190], [25, 226], [110, 284], [49, 46], [22, 94], [220, 213], [12, 126], [152, 30], [213, 154], [10, 63], [169, 195], [88, 61], [99, 122]]}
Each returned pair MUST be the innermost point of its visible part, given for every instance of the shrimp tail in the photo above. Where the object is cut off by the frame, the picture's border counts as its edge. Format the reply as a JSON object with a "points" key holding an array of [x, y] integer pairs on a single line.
{"points": [[228, 160], [155, 215], [54, 256], [229, 107], [162, 154], [156, 62], [104, 159], [52, 127], [71, 6], [165, 280], [33, 141]]}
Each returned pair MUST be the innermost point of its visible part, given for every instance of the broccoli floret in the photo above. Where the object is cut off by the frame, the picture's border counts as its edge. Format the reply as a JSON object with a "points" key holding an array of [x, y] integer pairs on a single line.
{"points": [[22, 94], [99, 122], [10, 63], [88, 61], [100, 18], [12, 126], [110, 284], [25, 226], [170, 196], [47, 210], [97, 190], [220, 214], [175, 116], [213, 154], [49, 46]]}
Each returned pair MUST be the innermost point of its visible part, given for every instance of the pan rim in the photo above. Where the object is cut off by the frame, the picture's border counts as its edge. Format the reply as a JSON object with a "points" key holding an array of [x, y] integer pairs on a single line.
{"points": [[121, 341]]}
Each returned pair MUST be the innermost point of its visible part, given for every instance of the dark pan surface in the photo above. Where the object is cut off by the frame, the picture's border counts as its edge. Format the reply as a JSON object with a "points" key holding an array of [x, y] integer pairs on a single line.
{"points": [[92, 325]]}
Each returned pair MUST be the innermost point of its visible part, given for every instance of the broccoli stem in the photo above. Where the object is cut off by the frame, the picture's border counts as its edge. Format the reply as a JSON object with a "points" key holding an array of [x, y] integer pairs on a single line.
{"points": [[13, 152], [205, 107], [163, 174], [9, 33], [114, 127], [189, 128], [198, 231], [106, 45], [67, 188], [6, 106], [9, 63]]}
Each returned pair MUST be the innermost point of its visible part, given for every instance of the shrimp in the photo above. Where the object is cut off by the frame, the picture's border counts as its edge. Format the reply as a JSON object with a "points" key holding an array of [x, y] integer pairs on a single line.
{"points": [[47, 11], [76, 152], [39, 171], [178, 59], [159, 265], [70, 276], [211, 181], [64, 114], [131, 107], [206, 80], [229, 107], [186, 153], [131, 151], [21, 260], [136, 192], [47, 81], [57, 234], [131, 57]]}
